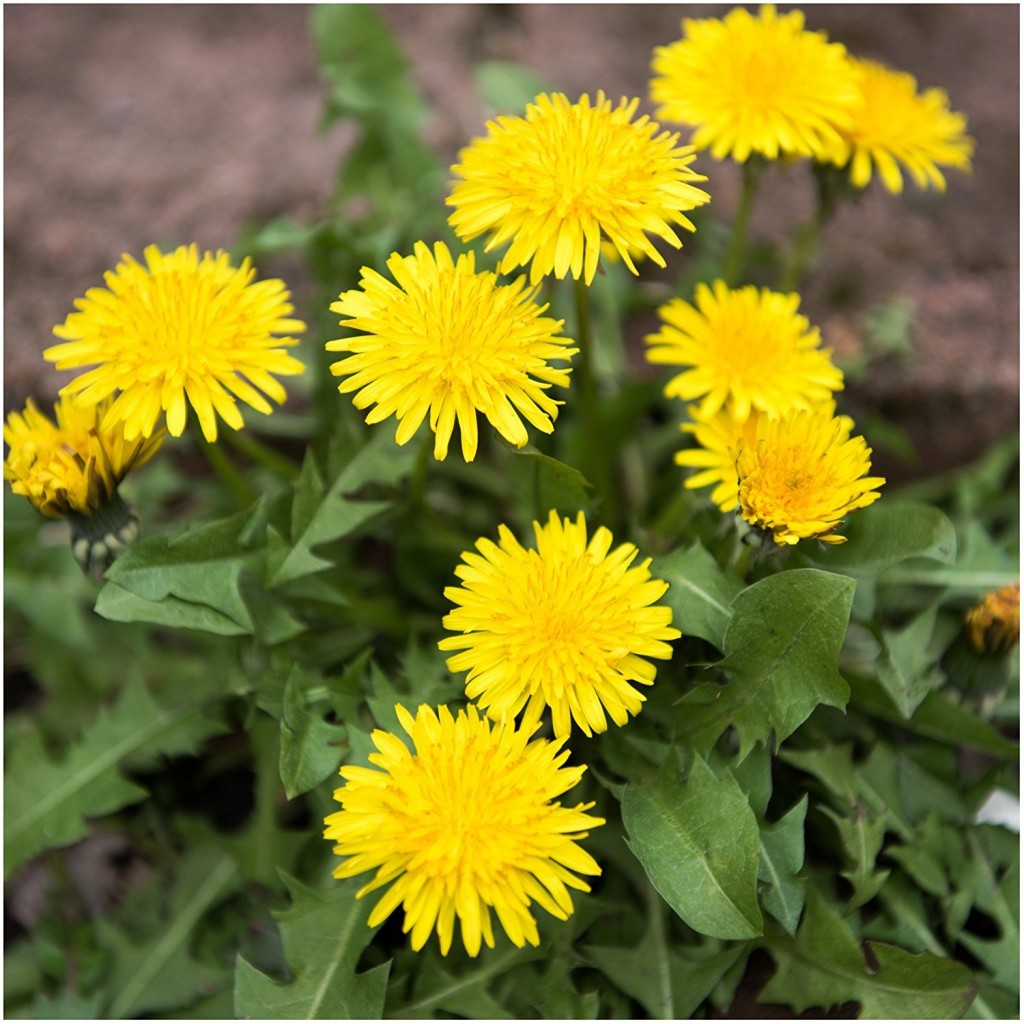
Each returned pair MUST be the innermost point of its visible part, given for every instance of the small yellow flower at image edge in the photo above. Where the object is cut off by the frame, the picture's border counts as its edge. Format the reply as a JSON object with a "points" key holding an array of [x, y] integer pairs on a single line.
{"points": [[993, 624], [569, 626], [464, 823], [180, 330], [803, 475], [443, 342], [555, 184]]}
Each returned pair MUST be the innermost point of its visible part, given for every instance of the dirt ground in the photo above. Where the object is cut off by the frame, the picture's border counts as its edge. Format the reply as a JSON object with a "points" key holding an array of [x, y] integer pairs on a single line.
{"points": [[126, 125]]}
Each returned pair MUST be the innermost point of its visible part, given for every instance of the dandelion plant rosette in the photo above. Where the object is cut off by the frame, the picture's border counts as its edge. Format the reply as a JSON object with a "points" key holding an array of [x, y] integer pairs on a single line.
{"points": [[443, 342], [555, 184], [180, 330], [463, 824], [756, 84], [568, 626]]}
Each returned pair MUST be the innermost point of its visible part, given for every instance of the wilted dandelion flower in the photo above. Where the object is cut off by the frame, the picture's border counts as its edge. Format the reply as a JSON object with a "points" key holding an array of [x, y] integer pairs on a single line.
{"points": [[568, 626], [73, 468], [756, 84], [746, 349], [447, 341], [894, 124], [178, 330], [993, 624], [719, 439], [803, 476], [465, 823], [567, 176]]}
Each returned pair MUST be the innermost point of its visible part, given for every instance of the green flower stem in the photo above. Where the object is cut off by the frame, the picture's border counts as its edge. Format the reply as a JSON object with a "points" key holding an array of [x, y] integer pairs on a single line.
{"points": [[420, 470], [806, 240], [227, 472], [266, 750], [258, 451], [597, 451], [735, 257]]}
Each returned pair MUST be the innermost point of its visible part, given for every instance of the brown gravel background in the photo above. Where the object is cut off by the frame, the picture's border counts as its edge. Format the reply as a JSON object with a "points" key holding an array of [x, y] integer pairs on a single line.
{"points": [[133, 124]]}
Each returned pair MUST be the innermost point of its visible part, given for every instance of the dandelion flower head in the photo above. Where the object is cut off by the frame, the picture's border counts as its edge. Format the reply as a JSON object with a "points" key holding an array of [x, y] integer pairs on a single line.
{"points": [[756, 84], [993, 624], [894, 124], [447, 342], [567, 176], [569, 625], [180, 330], [464, 823], [745, 349], [73, 465], [803, 476]]}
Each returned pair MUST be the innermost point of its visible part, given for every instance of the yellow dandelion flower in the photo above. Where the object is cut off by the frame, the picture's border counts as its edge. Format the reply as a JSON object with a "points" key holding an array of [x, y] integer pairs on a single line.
{"points": [[178, 329], [747, 349], [74, 465], [803, 476], [568, 626], [719, 438], [993, 624], [463, 824], [756, 84], [451, 342], [893, 124], [567, 176]]}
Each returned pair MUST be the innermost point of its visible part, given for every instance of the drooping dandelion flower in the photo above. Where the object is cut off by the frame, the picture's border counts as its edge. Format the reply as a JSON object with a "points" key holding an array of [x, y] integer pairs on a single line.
{"points": [[894, 124], [443, 343], [464, 823], [181, 330], [803, 476], [745, 349], [719, 438], [756, 84], [993, 624], [73, 468], [555, 183], [569, 626]]}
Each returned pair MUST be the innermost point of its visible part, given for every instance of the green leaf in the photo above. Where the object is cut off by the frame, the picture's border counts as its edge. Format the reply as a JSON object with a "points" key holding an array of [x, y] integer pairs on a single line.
{"points": [[120, 605], [906, 667], [782, 857], [887, 533], [319, 517], [310, 746], [544, 484], [781, 651], [157, 972], [507, 87], [824, 966], [324, 934], [200, 566], [699, 594], [862, 836], [698, 842], [46, 803]]}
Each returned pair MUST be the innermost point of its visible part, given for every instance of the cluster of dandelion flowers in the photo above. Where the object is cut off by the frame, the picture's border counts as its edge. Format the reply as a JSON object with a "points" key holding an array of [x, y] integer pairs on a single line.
{"points": [[894, 124], [180, 330], [745, 349], [448, 342], [756, 84], [567, 176], [465, 823], [803, 476], [73, 465], [568, 626]]}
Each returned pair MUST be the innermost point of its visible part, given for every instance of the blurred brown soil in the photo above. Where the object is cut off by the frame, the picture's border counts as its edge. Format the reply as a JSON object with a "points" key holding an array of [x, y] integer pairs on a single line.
{"points": [[127, 125]]}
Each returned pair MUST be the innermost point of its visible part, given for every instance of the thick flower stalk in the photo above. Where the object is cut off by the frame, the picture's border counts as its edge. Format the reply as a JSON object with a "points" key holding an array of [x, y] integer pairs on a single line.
{"points": [[464, 823], [756, 84], [570, 626], [180, 330], [803, 476], [893, 125], [556, 183], [71, 467], [744, 349], [443, 342]]}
